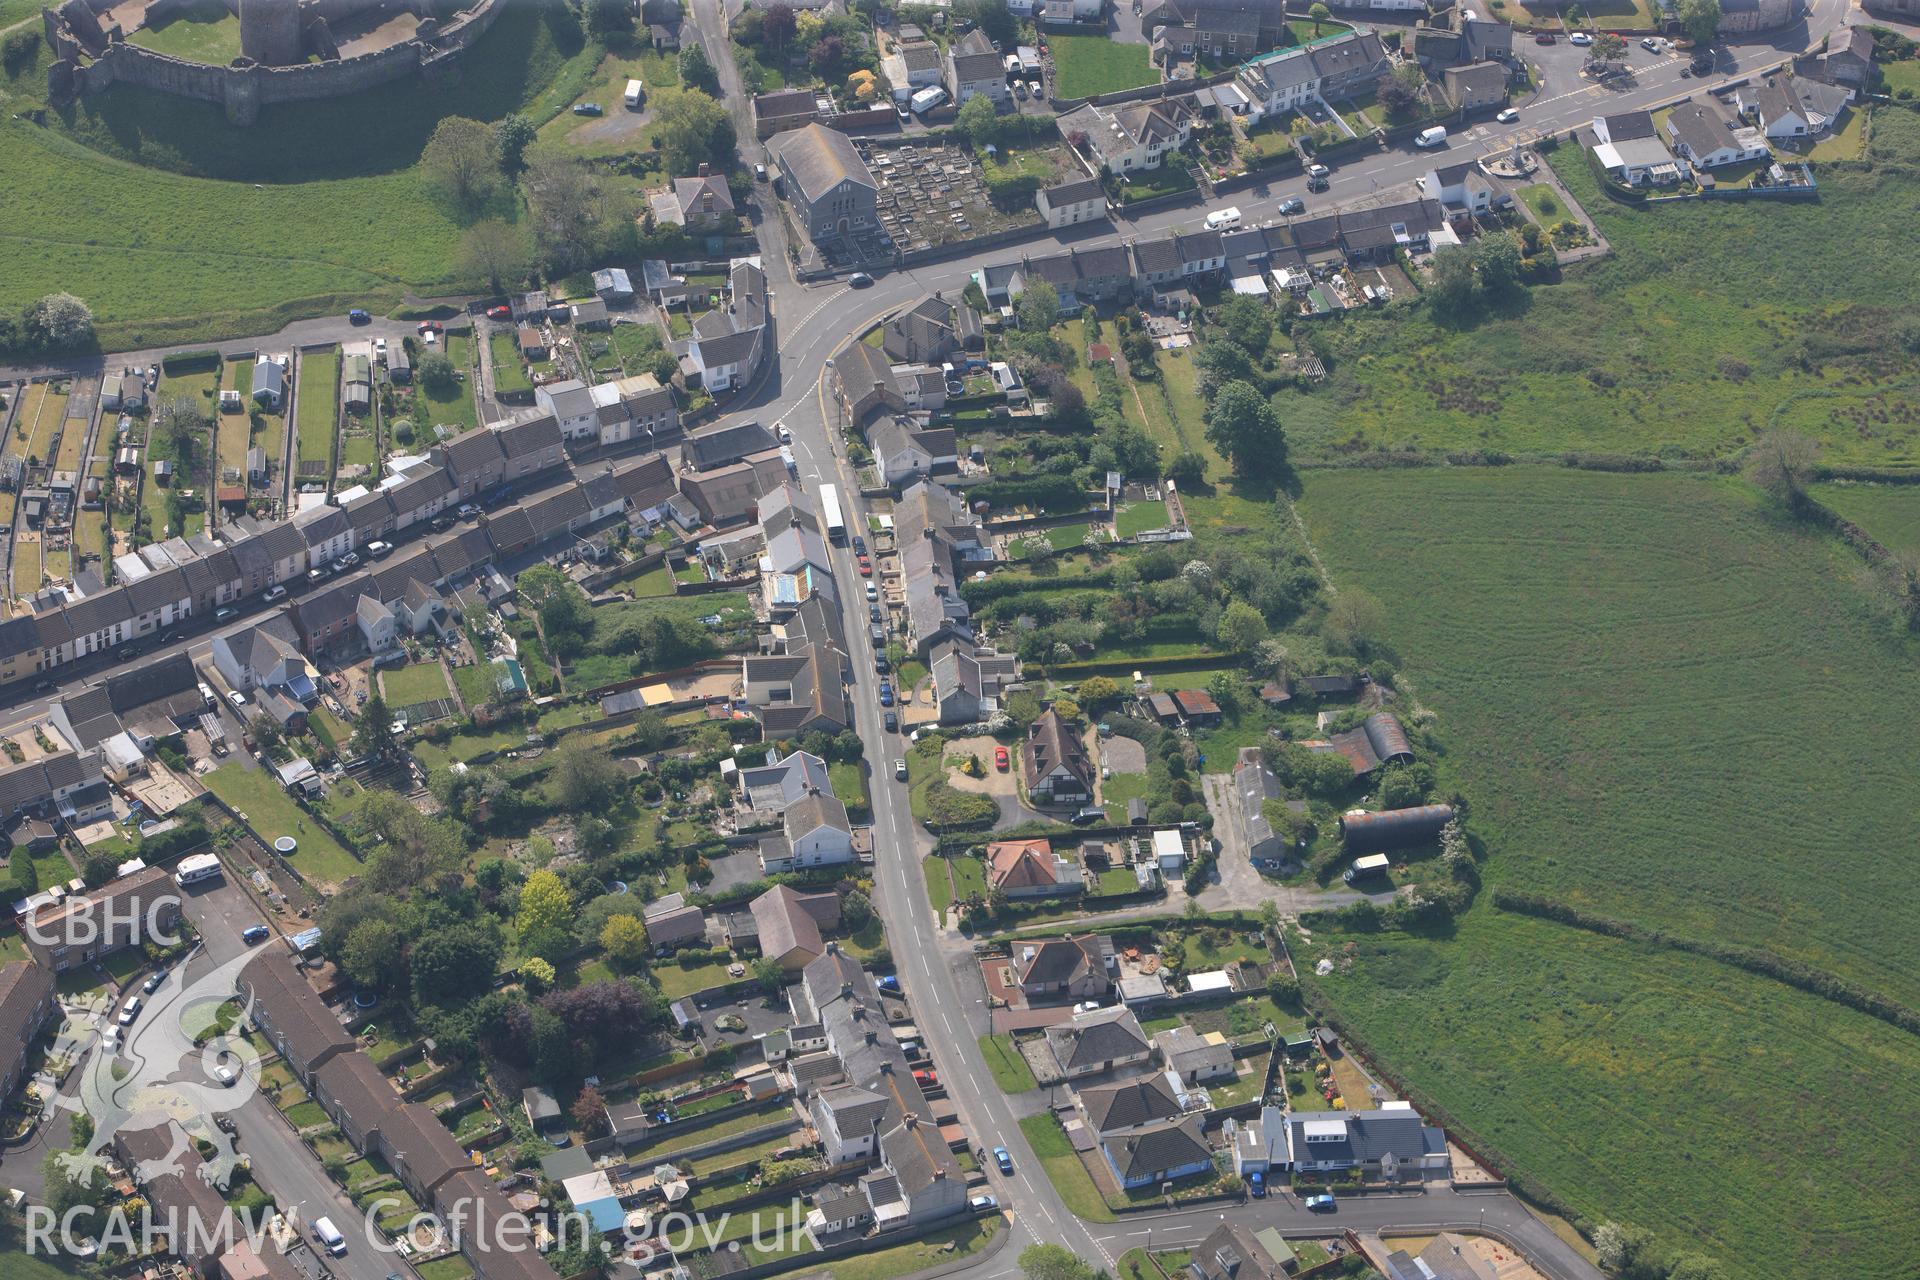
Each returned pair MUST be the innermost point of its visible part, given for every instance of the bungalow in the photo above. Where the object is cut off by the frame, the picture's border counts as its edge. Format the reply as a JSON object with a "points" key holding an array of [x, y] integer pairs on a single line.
{"points": [[1158, 1153], [1097, 1041], [1193, 1058], [269, 386], [1371, 1141], [1054, 761], [1128, 1106], [1030, 869], [1638, 162]]}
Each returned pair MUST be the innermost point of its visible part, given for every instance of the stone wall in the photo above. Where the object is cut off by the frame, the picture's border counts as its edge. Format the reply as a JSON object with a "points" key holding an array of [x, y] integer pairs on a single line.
{"points": [[244, 87]]}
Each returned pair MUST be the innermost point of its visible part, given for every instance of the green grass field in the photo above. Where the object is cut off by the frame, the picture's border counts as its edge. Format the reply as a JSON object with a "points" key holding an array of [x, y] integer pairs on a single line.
{"points": [[203, 32], [454, 408], [1090, 65], [271, 814], [1069, 1177], [1890, 513], [1726, 1111], [1667, 705], [415, 682], [1010, 1070], [509, 374], [316, 409], [1684, 314]]}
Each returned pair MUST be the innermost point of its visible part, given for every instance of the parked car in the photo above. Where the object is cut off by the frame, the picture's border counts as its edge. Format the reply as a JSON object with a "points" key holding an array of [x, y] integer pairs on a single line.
{"points": [[1293, 205], [1508, 116], [236, 697], [859, 545], [1580, 38], [927, 1078], [1257, 1184], [1003, 1158], [886, 696], [499, 313], [873, 592], [1317, 185], [881, 664], [380, 348], [900, 775], [358, 316], [1000, 759], [859, 280], [889, 983], [1318, 171], [588, 109], [225, 1076], [152, 984], [221, 615], [430, 326], [255, 934], [873, 613], [317, 574], [1543, 37], [866, 567], [1319, 1204], [983, 1204], [1650, 44], [1090, 814], [890, 722], [130, 1011]]}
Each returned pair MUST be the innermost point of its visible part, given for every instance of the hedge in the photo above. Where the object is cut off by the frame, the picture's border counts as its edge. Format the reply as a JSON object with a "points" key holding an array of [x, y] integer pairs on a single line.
{"points": [[1056, 493], [1794, 973], [190, 361], [977, 592]]}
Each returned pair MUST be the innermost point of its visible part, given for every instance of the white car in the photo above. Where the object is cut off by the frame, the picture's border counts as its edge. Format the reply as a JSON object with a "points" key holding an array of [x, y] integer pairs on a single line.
{"points": [[225, 1076], [1580, 38], [430, 338], [1508, 116], [130, 1011], [236, 697], [380, 348]]}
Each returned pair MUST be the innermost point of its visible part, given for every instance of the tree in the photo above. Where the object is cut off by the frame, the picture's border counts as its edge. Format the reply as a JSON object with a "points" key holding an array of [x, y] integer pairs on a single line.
{"points": [[99, 868], [1188, 470], [69, 1191], [537, 974], [373, 733], [1701, 18], [1283, 989], [511, 138], [1608, 47], [177, 424], [826, 55], [1098, 691], [1781, 463], [1242, 426], [462, 161], [1696, 1266], [589, 779], [696, 72], [856, 911], [1221, 362], [546, 908], [374, 954], [436, 373], [693, 129], [1241, 627], [1623, 1249], [991, 16], [1249, 322], [1038, 307], [1053, 1262], [778, 26], [453, 963], [609, 17], [1353, 622], [566, 207], [266, 732], [624, 939], [1497, 258], [57, 322], [590, 1113], [768, 975], [556, 1060], [1319, 13], [1393, 94], [1452, 285], [496, 251], [978, 121]]}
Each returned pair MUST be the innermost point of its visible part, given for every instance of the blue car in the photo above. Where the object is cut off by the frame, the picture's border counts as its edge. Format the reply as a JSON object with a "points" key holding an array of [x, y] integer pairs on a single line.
{"points": [[258, 933], [357, 316], [1257, 1183], [889, 983], [1004, 1158], [886, 697]]}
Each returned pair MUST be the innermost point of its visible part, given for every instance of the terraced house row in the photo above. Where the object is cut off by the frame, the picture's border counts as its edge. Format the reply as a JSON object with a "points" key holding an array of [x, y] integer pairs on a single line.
{"points": [[166, 583]]}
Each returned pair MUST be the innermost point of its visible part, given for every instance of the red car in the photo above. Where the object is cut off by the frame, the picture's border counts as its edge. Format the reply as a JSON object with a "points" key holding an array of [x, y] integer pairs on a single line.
{"points": [[499, 313], [866, 567], [1000, 759], [927, 1079], [1543, 37], [432, 326]]}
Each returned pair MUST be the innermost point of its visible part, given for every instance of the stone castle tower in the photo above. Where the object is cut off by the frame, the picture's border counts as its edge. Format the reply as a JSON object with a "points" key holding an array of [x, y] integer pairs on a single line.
{"points": [[270, 32]]}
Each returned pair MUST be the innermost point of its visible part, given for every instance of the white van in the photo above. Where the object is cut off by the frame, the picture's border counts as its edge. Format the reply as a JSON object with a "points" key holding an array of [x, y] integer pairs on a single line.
{"points": [[635, 91], [1223, 219], [1431, 138], [329, 1235]]}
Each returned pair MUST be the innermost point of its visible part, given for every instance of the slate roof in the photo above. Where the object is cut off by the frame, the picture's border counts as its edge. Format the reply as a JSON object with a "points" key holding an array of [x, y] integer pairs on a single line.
{"points": [[1129, 1103], [1168, 1146], [1105, 1035], [820, 159], [294, 1008], [1055, 960]]}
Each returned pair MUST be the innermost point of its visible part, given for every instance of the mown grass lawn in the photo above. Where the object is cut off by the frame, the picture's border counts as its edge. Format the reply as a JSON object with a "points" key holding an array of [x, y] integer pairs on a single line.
{"points": [[936, 1248], [1085, 66], [1614, 659], [453, 406], [415, 682], [1009, 1068], [1684, 312], [1064, 1169], [202, 32], [1138, 517], [258, 794], [509, 374], [317, 408]]}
